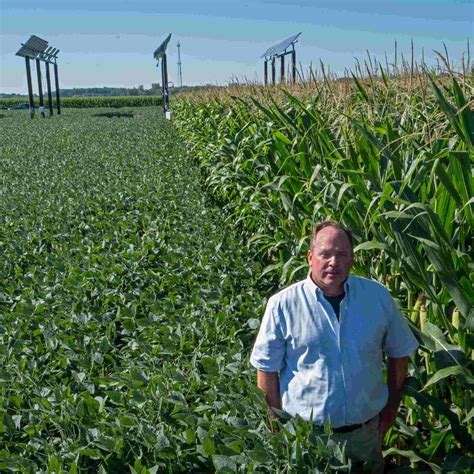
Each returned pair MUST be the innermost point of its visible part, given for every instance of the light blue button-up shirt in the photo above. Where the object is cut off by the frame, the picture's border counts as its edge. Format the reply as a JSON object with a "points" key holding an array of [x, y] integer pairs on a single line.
{"points": [[331, 369]]}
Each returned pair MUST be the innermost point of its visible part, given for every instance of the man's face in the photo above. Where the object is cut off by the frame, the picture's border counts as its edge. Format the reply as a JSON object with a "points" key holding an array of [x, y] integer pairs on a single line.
{"points": [[330, 260]]}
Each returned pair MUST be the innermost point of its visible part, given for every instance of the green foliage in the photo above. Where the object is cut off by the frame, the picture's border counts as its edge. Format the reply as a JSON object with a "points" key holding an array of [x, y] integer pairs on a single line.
{"points": [[394, 166], [87, 102], [127, 310]]}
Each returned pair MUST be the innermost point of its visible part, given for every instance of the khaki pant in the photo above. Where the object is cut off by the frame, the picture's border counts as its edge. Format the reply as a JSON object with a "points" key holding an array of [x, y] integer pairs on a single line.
{"points": [[363, 444]]}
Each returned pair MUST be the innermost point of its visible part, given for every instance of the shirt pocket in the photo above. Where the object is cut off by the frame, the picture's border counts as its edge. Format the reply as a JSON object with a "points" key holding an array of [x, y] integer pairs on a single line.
{"points": [[309, 385]]}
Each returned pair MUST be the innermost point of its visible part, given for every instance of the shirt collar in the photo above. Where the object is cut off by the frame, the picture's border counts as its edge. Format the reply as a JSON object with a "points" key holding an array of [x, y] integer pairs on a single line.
{"points": [[313, 288]]}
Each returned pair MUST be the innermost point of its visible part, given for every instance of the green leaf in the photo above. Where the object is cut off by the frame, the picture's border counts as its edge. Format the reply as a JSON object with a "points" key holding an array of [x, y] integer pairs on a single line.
{"points": [[458, 371], [208, 446], [223, 462], [162, 442], [283, 138], [54, 466], [412, 388], [127, 421], [469, 416], [259, 455], [210, 365], [360, 88], [437, 336], [457, 463], [413, 457], [370, 245], [449, 110]]}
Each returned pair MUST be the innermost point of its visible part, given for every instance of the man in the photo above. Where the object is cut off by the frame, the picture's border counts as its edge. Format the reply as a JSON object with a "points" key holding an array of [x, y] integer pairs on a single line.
{"points": [[320, 346]]}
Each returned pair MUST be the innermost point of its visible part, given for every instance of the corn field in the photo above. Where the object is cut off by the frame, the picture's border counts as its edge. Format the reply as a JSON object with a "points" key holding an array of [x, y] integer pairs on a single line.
{"points": [[391, 157]]}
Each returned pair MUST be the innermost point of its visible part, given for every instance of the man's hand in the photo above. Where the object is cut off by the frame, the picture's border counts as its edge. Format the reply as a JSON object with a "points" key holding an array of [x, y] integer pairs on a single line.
{"points": [[396, 374], [387, 418], [269, 383]]}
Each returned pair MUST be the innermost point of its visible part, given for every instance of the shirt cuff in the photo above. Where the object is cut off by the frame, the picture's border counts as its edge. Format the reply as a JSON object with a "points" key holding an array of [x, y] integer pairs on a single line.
{"points": [[264, 366], [404, 352]]}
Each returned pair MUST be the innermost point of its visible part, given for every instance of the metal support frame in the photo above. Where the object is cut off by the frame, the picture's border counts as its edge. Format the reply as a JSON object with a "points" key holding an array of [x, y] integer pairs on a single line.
{"points": [[279, 51], [38, 49], [50, 97], [282, 66], [56, 81], [293, 65], [165, 90], [30, 87], [160, 53], [282, 69], [40, 88]]}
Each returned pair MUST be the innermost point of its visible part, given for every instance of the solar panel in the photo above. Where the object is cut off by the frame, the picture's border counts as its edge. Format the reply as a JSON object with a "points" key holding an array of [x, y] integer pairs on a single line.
{"points": [[25, 52], [280, 47], [162, 48], [32, 47], [36, 44]]}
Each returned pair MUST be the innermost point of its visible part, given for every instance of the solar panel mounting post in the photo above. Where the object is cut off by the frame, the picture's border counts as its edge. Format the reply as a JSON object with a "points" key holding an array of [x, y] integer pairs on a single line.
{"points": [[163, 92], [56, 82], [40, 87], [167, 94], [160, 53], [30, 87], [293, 65], [280, 50], [48, 83], [265, 72], [164, 75], [282, 69]]}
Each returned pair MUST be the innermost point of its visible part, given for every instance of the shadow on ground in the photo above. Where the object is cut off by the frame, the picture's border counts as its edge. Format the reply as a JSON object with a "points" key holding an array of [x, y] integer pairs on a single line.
{"points": [[115, 114]]}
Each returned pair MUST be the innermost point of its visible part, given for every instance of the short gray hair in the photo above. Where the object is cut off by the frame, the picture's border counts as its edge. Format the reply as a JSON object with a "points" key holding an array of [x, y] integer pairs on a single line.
{"points": [[322, 225]]}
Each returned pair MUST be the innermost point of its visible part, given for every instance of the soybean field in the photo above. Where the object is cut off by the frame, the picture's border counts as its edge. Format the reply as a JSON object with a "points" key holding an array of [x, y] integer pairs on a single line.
{"points": [[138, 255], [128, 304]]}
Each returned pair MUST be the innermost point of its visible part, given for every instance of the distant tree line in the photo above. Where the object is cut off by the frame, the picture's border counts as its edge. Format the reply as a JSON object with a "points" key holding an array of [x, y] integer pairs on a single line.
{"points": [[154, 90]]}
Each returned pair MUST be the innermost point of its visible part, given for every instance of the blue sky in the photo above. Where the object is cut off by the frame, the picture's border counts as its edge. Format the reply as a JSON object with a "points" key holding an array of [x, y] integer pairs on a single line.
{"points": [[111, 42]]}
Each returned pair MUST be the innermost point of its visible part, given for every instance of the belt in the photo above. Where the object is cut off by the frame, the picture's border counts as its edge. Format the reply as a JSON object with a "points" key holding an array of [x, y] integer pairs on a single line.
{"points": [[349, 428]]}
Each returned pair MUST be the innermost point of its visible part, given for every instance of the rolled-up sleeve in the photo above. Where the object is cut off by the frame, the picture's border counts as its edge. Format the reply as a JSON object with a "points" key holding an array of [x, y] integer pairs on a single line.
{"points": [[268, 352], [399, 339]]}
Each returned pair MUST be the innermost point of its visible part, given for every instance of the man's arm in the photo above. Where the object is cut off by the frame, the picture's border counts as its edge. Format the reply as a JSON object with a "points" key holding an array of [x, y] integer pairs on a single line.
{"points": [[397, 369], [269, 383]]}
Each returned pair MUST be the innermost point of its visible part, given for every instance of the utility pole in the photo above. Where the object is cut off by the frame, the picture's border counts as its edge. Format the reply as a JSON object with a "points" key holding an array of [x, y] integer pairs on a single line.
{"points": [[180, 72]]}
